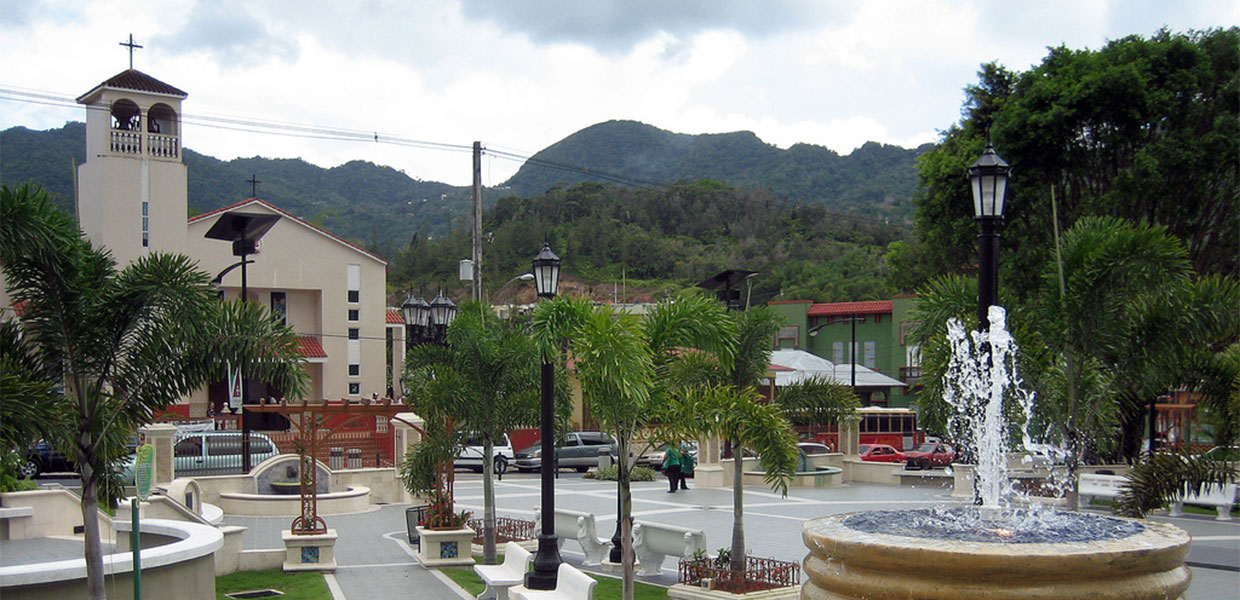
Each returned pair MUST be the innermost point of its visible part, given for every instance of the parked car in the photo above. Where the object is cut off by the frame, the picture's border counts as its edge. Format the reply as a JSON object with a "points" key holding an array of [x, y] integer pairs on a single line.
{"points": [[470, 455], [929, 455], [578, 450], [813, 448], [211, 453], [880, 453], [654, 459], [41, 458]]}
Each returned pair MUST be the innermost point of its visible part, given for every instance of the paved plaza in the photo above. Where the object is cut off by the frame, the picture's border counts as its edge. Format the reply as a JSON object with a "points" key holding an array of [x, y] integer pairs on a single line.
{"points": [[377, 563]]}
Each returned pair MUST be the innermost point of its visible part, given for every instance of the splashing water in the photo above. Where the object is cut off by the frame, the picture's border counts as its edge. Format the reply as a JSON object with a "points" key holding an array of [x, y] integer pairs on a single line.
{"points": [[980, 375]]}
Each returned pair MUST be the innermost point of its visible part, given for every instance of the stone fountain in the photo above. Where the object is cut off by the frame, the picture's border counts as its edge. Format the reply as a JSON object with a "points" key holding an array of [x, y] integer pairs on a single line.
{"points": [[999, 549]]}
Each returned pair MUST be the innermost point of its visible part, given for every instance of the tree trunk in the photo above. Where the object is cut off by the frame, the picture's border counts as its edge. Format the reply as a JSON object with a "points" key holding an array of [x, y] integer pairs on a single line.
{"points": [[738, 510], [626, 521], [90, 522], [488, 503]]}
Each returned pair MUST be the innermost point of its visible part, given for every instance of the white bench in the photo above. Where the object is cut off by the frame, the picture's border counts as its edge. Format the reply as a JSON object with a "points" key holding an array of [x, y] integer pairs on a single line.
{"points": [[501, 577], [570, 584], [1102, 486], [1220, 497], [652, 543], [10, 527], [578, 526]]}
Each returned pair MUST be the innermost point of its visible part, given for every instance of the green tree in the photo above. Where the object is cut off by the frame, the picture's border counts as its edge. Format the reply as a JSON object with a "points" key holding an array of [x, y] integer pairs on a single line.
{"points": [[1142, 129], [622, 362], [484, 381], [718, 398], [122, 343]]}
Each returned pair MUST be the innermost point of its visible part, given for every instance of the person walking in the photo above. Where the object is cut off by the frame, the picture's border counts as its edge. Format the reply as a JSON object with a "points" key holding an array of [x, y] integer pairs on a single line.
{"points": [[686, 465], [671, 467]]}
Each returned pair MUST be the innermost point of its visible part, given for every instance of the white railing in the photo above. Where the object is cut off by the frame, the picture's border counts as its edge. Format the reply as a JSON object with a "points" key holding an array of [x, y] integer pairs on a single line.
{"points": [[126, 142], [158, 145], [163, 146]]}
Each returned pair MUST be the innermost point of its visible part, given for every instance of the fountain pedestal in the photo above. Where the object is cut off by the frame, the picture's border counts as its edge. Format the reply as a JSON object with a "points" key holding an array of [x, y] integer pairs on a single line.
{"points": [[845, 563]]}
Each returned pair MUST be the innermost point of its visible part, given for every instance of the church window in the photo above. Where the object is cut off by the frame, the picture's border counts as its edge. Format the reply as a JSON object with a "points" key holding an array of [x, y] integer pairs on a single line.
{"points": [[126, 116]]}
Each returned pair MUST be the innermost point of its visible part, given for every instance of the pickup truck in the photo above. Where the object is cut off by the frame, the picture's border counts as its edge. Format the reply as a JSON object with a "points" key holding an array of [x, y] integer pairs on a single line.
{"points": [[577, 450]]}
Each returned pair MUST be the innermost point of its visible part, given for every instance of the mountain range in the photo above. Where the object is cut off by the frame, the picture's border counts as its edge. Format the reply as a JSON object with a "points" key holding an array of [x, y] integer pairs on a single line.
{"points": [[381, 207]]}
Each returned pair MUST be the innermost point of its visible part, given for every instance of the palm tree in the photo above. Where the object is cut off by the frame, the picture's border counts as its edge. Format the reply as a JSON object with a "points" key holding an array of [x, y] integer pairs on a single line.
{"points": [[717, 398], [484, 381], [622, 362], [122, 343]]}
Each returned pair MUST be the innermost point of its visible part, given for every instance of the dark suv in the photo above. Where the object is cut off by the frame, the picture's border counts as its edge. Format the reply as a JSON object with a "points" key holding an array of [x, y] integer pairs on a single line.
{"points": [[578, 450]]}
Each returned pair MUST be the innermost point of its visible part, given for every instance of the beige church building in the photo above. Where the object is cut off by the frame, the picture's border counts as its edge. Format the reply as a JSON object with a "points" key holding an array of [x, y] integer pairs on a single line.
{"points": [[133, 199]]}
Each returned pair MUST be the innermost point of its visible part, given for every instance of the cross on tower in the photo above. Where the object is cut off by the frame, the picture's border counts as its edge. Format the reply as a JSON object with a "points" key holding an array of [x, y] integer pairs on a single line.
{"points": [[131, 46], [253, 181]]}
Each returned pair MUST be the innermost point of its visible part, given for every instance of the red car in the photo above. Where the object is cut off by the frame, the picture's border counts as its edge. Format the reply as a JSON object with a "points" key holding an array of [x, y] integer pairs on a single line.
{"points": [[880, 453], [929, 455]]}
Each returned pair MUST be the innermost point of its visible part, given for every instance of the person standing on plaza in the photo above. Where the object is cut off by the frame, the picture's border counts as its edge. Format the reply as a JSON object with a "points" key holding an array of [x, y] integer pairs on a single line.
{"points": [[686, 464], [671, 467]]}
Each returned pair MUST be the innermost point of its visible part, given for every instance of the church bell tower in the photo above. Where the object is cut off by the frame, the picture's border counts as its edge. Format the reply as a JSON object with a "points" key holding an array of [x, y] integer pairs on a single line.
{"points": [[132, 189]]}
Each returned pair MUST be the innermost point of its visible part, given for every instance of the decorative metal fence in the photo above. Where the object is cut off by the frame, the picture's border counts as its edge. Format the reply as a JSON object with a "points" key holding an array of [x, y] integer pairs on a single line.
{"points": [[506, 530], [759, 574]]}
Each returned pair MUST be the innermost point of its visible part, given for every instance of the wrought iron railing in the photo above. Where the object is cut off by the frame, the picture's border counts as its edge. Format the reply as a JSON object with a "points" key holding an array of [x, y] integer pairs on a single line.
{"points": [[759, 574], [506, 530]]}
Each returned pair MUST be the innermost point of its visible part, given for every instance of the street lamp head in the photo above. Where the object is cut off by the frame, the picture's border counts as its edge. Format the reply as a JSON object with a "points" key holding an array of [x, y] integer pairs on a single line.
{"points": [[416, 311], [988, 178], [546, 272], [443, 310]]}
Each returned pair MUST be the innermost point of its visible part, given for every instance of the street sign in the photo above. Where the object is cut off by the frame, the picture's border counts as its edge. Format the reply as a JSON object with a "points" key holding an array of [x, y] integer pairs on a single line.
{"points": [[143, 467]]}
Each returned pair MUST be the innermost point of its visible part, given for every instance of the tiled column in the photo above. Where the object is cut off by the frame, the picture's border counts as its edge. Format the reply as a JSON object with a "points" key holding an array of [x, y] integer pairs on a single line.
{"points": [[160, 435]]}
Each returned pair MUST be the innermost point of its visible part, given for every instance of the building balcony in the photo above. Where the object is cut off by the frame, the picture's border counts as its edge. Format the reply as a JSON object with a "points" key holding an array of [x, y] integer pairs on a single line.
{"points": [[910, 375], [155, 144]]}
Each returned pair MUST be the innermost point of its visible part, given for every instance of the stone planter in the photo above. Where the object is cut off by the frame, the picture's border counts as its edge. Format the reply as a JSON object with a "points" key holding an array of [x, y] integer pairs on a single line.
{"points": [[445, 547], [681, 591]]}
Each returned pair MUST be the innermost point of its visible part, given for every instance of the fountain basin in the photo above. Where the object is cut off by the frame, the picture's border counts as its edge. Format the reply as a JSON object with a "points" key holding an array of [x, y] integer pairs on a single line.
{"points": [[354, 499], [847, 563]]}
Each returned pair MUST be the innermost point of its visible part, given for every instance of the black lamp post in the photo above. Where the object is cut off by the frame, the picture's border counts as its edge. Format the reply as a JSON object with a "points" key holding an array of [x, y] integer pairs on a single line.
{"points": [[988, 178], [852, 349], [244, 230], [417, 315], [547, 561], [443, 312]]}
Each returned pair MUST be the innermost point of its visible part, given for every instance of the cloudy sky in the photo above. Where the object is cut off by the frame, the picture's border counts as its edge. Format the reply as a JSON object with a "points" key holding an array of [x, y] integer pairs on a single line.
{"points": [[520, 75]]}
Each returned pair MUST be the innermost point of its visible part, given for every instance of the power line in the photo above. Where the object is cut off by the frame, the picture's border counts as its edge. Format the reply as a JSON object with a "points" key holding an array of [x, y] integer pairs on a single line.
{"points": [[286, 129]]}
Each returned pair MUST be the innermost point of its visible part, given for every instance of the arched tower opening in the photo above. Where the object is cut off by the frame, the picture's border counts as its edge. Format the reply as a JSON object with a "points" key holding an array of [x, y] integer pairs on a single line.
{"points": [[161, 125], [126, 127]]}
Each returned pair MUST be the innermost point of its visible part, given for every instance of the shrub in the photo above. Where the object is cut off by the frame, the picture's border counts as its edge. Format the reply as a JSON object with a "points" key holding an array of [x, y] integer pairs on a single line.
{"points": [[612, 473]]}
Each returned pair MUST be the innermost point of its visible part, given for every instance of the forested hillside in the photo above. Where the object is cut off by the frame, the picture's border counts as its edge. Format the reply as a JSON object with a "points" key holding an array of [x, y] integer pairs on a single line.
{"points": [[381, 208], [875, 180], [663, 239]]}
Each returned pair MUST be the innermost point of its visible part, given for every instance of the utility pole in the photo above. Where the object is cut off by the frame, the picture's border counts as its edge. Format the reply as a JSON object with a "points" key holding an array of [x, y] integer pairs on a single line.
{"points": [[477, 254]]}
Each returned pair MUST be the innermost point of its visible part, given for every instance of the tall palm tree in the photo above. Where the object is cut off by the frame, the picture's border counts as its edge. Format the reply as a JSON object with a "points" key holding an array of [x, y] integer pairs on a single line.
{"points": [[716, 398], [123, 343], [622, 362], [486, 381]]}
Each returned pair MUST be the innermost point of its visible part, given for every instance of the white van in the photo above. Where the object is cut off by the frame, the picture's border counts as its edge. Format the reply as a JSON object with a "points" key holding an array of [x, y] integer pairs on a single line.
{"points": [[470, 454]]}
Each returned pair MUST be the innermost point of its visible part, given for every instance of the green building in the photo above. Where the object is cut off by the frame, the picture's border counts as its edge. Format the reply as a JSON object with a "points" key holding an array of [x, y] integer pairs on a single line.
{"points": [[873, 332]]}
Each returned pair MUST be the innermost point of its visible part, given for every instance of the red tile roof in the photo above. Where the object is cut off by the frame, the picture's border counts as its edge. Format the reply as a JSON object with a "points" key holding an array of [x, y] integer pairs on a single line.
{"points": [[869, 307], [310, 347], [289, 216], [138, 81], [394, 316]]}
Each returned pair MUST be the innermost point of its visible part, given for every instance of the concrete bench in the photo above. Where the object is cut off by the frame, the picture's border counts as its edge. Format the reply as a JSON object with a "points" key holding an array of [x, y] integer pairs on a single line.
{"points": [[501, 577], [653, 542], [1220, 497], [10, 528], [578, 526], [1102, 486], [570, 584]]}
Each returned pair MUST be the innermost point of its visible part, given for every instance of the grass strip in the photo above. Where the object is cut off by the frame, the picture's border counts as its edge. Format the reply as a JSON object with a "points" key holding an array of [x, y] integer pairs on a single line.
{"points": [[306, 585], [608, 588]]}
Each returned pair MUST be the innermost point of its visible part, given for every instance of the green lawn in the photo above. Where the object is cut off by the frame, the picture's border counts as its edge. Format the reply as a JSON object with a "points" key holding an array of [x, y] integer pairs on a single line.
{"points": [[303, 586], [1189, 509], [608, 588]]}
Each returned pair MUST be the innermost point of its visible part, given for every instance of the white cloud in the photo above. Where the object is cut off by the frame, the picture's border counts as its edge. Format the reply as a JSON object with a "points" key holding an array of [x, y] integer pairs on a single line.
{"points": [[835, 74]]}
